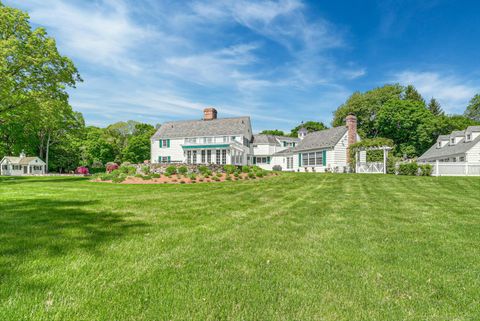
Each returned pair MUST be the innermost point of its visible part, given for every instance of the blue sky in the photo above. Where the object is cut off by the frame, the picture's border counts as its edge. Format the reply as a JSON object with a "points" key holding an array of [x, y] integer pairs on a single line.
{"points": [[279, 62]]}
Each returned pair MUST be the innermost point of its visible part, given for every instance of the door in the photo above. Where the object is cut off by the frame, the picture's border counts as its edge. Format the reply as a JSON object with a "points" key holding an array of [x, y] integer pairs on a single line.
{"points": [[25, 169]]}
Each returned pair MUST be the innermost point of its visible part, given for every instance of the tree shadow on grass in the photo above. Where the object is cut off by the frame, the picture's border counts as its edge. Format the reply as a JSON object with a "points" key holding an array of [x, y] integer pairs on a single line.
{"points": [[45, 228], [43, 179]]}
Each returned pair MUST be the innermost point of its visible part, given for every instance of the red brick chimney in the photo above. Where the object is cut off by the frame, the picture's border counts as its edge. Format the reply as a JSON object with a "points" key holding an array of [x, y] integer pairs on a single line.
{"points": [[209, 113], [352, 132]]}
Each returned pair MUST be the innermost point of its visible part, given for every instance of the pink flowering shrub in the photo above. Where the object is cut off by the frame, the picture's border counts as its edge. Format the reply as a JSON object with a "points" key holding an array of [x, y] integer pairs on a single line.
{"points": [[82, 170], [111, 167]]}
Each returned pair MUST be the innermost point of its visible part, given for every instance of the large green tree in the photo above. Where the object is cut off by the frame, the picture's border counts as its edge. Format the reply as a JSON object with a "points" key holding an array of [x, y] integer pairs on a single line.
{"points": [[409, 124], [411, 93], [310, 126], [366, 107], [473, 109], [31, 68]]}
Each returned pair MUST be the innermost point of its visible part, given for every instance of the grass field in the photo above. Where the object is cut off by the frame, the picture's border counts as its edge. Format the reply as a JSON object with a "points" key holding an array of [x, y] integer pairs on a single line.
{"points": [[293, 247]]}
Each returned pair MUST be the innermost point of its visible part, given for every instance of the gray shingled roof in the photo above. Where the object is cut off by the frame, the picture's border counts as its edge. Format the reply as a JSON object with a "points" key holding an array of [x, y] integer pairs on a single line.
{"points": [[460, 148], [457, 133], [216, 127], [20, 161], [443, 138], [322, 139], [265, 139], [471, 129], [285, 152], [272, 139]]}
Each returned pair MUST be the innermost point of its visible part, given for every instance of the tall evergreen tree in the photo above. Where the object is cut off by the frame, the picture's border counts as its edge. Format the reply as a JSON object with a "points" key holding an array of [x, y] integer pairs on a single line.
{"points": [[412, 94], [473, 109], [435, 108]]}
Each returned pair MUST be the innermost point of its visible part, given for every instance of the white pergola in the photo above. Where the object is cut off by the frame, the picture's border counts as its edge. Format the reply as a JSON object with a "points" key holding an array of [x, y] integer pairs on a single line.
{"points": [[367, 168]]}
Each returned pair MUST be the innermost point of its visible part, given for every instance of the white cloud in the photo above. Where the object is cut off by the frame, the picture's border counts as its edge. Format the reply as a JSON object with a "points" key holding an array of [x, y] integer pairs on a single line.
{"points": [[102, 33], [452, 92]]}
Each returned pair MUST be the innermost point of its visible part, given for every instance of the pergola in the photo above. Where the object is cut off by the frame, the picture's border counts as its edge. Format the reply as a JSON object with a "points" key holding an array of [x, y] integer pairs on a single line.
{"points": [[367, 168]]}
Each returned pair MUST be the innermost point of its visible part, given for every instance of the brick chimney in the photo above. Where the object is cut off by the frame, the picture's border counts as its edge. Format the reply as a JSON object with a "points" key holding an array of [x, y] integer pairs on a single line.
{"points": [[209, 113], [352, 132]]}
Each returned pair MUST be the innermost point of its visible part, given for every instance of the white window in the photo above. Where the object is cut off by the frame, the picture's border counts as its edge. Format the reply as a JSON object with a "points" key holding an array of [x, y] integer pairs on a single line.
{"points": [[164, 143], [208, 140], [224, 156], [469, 137], [194, 157], [217, 158], [462, 159], [189, 157], [203, 156], [190, 140], [452, 141], [209, 156], [164, 159], [312, 159], [226, 139]]}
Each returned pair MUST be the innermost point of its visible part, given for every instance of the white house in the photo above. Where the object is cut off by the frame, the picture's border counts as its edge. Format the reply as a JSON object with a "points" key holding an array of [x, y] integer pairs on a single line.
{"points": [[210, 140], [325, 150], [460, 146], [213, 140], [266, 146], [22, 166]]}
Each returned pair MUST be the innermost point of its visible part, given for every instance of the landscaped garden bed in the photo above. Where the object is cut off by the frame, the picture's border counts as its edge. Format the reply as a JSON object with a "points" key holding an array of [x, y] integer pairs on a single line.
{"points": [[180, 174]]}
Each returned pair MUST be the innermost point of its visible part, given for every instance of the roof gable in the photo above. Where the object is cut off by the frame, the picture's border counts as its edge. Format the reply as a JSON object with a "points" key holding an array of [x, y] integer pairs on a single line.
{"points": [[459, 148], [196, 128], [327, 138]]}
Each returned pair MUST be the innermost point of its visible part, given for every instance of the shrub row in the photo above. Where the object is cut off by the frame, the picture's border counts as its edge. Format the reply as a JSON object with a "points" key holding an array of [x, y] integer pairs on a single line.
{"points": [[414, 169]]}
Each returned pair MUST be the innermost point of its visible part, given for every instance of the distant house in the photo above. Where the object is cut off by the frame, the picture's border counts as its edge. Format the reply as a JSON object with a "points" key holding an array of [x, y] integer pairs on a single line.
{"points": [[460, 146], [213, 140], [22, 166]]}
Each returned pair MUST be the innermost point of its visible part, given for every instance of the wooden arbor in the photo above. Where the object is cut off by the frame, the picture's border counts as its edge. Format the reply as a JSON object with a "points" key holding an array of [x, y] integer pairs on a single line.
{"points": [[371, 167]]}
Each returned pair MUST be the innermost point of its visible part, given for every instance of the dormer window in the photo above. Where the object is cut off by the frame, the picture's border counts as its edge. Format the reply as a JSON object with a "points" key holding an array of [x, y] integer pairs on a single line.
{"points": [[439, 145], [469, 137], [452, 141]]}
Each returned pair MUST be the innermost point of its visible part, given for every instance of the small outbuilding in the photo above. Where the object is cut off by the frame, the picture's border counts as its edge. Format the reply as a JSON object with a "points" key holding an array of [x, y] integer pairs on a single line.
{"points": [[22, 166]]}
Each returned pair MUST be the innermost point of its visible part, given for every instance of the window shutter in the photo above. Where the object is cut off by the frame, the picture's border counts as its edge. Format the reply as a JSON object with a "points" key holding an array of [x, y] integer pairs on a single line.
{"points": [[324, 158], [160, 143], [299, 160], [168, 143], [159, 159], [168, 159], [268, 160]]}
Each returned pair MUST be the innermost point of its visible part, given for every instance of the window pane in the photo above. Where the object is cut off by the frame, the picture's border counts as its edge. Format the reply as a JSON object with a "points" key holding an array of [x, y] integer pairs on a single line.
{"points": [[311, 159], [319, 158]]}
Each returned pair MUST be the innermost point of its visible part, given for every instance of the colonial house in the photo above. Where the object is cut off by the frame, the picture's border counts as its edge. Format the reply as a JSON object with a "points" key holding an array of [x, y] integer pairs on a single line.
{"points": [[213, 140], [22, 165], [459, 146], [210, 140]]}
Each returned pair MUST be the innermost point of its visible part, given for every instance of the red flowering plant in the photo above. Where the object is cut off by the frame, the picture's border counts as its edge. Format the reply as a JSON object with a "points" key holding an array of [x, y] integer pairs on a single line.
{"points": [[82, 170], [111, 167]]}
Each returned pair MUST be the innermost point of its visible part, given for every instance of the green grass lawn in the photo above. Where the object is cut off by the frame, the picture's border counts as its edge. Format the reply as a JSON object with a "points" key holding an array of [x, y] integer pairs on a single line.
{"points": [[293, 247]]}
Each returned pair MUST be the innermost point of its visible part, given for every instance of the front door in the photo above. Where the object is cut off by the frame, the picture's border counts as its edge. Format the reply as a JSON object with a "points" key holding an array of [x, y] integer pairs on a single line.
{"points": [[25, 169]]}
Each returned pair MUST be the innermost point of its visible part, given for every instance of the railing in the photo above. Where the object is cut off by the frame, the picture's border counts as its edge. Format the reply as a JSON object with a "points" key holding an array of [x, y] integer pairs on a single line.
{"points": [[370, 168], [456, 169]]}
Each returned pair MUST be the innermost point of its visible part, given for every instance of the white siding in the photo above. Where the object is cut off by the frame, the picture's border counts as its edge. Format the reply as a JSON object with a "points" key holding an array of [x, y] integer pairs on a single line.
{"points": [[473, 154], [175, 151]]}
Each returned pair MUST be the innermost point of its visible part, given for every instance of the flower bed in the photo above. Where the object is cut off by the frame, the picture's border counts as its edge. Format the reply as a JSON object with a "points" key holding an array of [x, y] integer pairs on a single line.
{"points": [[181, 175]]}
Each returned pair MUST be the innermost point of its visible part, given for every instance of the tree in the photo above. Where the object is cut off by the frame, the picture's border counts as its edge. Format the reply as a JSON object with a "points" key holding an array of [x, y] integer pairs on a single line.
{"points": [[31, 68], [473, 109], [275, 132], [365, 106], [435, 108], [409, 124], [310, 126], [412, 94], [138, 148]]}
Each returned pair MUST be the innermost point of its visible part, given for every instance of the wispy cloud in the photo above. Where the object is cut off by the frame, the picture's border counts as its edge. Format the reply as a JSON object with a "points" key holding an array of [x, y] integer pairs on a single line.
{"points": [[452, 92]]}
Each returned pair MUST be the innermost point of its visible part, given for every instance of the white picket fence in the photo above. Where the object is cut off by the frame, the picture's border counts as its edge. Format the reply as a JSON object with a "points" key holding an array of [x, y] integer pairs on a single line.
{"points": [[456, 169], [370, 168]]}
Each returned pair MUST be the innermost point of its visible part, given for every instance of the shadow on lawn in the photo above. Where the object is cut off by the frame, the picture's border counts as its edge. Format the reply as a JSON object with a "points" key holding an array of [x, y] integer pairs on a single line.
{"points": [[44, 228], [43, 179]]}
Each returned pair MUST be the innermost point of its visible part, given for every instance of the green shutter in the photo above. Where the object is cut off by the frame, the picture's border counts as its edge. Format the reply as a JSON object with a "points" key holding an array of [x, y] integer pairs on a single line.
{"points": [[168, 159], [299, 160], [159, 159], [168, 143], [324, 157], [160, 143], [268, 160]]}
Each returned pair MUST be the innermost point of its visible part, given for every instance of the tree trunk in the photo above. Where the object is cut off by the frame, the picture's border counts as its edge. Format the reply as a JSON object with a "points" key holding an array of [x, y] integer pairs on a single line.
{"points": [[48, 149]]}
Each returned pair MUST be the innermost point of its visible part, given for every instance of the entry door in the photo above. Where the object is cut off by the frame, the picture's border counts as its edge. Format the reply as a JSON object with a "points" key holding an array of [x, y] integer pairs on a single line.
{"points": [[25, 169]]}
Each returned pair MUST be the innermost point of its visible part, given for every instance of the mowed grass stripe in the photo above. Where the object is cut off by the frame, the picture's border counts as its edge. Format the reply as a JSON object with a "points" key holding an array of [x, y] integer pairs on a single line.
{"points": [[292, 247]]}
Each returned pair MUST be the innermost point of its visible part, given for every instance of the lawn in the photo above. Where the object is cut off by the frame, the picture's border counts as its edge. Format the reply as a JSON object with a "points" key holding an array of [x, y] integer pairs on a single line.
{"points": [[292, 247]]}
